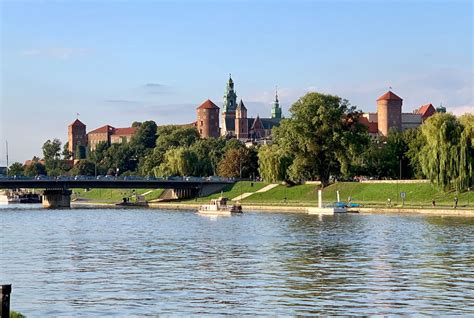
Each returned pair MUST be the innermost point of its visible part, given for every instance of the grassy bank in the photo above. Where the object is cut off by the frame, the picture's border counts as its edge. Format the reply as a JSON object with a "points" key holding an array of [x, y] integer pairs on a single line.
{"points": [[368, 194], [417, 195], [114, 195]]}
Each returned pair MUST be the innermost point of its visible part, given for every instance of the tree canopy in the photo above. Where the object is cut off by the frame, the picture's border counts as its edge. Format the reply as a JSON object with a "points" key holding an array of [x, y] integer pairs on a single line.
{"points": [[322, 136]]}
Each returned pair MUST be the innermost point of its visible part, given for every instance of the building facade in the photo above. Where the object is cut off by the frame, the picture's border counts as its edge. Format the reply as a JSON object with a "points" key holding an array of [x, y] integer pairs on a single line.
{"points": [[76, 136], [207, 122]]}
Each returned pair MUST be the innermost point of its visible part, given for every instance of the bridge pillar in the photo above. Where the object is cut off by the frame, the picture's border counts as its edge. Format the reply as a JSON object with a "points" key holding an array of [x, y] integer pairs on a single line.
{"points": [[57, 199]]}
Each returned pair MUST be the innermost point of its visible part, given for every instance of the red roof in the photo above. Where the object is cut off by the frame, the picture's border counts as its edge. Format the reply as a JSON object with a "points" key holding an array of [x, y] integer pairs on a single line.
{"points": [[423, 109], [389, 96], [102, 129], [77, 122], [208, 104], [125, 131], [372, 127]]}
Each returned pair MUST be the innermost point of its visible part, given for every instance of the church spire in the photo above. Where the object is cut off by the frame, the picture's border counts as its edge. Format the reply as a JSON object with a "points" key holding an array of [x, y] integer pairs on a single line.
{"points": [[230, 97], [276, 110]]}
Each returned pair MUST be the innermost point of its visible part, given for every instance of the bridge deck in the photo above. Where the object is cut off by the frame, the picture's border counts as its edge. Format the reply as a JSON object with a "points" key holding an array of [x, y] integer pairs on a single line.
{"points": [[106, 184]]}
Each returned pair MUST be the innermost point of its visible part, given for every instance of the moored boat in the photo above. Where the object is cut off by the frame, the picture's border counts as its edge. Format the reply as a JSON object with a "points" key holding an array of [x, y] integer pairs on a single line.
{"points": [[220, 207]]}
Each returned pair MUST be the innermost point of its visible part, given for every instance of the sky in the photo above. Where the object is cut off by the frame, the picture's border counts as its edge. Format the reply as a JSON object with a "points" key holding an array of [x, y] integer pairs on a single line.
{"points": [[115, 62]]}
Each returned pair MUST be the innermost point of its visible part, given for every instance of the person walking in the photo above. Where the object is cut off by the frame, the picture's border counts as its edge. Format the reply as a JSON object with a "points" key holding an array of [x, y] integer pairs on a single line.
{"points": [[455, 202], [433, 203]]}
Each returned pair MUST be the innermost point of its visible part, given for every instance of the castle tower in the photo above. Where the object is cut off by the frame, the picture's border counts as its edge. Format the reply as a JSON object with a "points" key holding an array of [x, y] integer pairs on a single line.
{"points": [[228, 110], [276, 110], [77, 136], [241, 122], [208, 120], [389, 112]]}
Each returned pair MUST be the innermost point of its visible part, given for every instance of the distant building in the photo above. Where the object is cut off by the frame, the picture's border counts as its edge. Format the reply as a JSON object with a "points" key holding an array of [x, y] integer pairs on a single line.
{"points": [[389, 115], [208, 119], [110, 135], [235, 122], [77, 136], [3, 171]]}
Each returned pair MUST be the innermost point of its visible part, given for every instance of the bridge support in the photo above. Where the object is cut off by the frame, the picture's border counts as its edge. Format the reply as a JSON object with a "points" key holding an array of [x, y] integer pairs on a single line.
{"points": [[57, 199]]}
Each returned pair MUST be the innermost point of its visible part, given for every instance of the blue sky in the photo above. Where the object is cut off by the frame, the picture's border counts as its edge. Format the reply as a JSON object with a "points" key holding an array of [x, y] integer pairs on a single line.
{"points": [[115, 62]]}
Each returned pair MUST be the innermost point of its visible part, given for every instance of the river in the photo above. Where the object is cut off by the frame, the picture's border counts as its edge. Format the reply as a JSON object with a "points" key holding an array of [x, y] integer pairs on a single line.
{"points": [[149, 262]]}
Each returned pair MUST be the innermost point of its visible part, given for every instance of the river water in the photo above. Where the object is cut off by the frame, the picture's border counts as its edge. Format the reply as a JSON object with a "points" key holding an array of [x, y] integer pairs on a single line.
{"points": [[146, 262]]}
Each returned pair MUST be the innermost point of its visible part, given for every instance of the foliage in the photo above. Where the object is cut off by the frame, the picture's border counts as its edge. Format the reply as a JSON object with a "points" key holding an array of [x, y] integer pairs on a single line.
{"points": [[446, 157], [14, 314], [121, 157], [209, 152], [66, 153], [273, 163], [237, 162], [145, 136], [83, 168], [51, 149], [323, 136], [177, 162], [168, 137], [16, 169], [34, 169]]}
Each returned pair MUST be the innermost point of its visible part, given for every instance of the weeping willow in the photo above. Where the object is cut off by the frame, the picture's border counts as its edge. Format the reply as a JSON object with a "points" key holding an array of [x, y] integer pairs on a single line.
{"points": [[447, 156]]}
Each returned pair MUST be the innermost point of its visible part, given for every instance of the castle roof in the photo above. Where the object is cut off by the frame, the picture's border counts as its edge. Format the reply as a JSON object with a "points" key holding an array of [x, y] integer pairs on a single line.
{"points": [[208, 104], [125, 131], [389, 96], [77, 123], [103, 129], [425, 108], [372, 127]]}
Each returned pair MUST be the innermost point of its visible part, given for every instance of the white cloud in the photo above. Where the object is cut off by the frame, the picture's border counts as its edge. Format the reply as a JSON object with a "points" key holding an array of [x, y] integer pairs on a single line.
{"points": [[63, 53]]}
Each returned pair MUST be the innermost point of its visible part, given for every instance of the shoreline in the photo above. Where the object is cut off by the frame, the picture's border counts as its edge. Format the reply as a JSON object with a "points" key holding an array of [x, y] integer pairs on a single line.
{"points": [[295, 209]]}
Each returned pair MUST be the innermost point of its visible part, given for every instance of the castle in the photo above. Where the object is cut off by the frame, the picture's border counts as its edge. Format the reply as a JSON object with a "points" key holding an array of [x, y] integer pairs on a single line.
{"points": [[78, 137], [389, 115], [235, 122]]}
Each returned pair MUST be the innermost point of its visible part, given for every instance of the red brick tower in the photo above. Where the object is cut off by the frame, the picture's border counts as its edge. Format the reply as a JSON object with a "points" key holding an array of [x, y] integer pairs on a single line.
{"points": [[208, 120], [389, 112], [241, 122], [76, 136]]}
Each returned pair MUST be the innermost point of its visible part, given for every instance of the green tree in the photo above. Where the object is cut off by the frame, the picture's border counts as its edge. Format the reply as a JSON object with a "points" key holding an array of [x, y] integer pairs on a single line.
{"points": [[323, 135], [120, 156], [16, 169], [35, 169], [51, 149], [208, 151], [273, 163], [177, 162], [446, 157], [237, 163], [145, 135], [66, 153], [83, 168]]}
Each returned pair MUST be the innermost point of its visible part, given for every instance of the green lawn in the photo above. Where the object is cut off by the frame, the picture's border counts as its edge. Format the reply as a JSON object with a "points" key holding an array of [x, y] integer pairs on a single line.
{"points": [[417, 195], [114, 195], [233, 190]]}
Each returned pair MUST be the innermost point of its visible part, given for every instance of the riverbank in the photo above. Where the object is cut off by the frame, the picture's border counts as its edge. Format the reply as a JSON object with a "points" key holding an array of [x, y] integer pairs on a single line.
{"points": [[304, 209]]}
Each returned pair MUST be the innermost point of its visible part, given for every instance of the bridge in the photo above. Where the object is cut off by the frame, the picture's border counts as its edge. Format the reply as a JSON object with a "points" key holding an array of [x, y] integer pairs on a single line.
{"points": [[57, 194]]}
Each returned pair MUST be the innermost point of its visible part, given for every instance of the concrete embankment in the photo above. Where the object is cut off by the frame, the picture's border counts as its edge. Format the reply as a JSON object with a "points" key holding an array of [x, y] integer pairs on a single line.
{"points": [[304, 209]]}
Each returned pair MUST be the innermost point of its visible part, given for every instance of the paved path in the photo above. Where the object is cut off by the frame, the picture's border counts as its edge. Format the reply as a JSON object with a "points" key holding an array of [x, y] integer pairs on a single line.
{"points": [[247, 194]]}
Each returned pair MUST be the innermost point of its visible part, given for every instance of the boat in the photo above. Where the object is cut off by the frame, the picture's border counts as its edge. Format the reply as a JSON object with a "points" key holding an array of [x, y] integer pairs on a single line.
{"points": [[219, 206]]}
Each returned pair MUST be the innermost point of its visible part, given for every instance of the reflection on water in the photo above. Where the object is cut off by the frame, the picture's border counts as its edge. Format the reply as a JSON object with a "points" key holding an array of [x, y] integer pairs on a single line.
{"points": [[135, 263]]}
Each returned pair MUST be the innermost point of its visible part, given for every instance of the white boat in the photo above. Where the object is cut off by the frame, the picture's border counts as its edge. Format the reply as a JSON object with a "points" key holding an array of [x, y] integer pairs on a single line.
{"points": [[219, 207]]}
